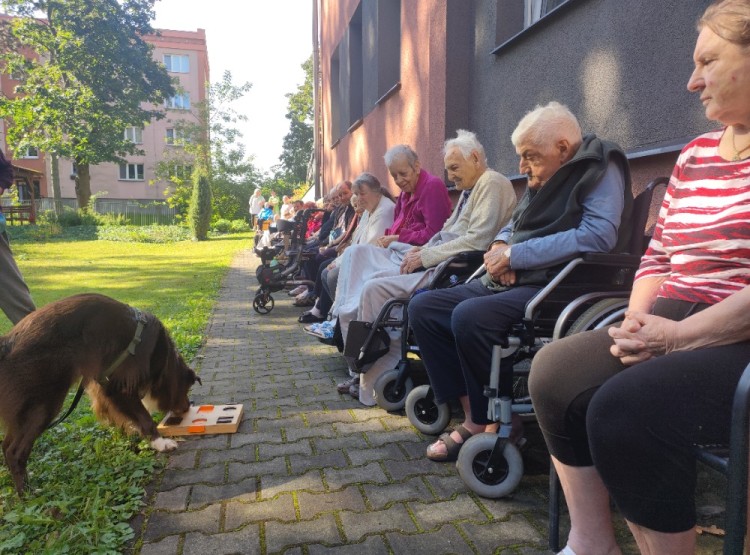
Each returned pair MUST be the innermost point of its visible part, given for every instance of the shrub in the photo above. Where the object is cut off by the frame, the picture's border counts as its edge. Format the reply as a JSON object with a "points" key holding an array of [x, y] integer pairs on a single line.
{"points": [[112, 219], [239, 226], [144, 234], [222, 226]]}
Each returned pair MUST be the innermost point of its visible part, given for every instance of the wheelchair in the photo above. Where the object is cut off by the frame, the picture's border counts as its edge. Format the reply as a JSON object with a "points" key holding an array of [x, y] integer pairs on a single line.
{"points": [[393, 386], [281, 262], [587, 293]]}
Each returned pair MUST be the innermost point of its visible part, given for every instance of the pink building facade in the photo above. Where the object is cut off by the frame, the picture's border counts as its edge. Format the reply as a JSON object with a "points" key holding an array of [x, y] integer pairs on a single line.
{"points": [[185, 54], [382, 68], [403, 71]]}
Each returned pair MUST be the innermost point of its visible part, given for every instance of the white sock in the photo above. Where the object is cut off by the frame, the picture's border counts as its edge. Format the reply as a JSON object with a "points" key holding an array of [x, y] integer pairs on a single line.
{"points": [[567, 550], [315, 312]]}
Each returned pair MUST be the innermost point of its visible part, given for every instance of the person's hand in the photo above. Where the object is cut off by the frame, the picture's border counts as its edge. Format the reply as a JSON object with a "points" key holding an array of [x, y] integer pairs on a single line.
{"points": [[331, 266], [643, 336], [386, 240], [497, 263], [411, 262], [507, 278]]}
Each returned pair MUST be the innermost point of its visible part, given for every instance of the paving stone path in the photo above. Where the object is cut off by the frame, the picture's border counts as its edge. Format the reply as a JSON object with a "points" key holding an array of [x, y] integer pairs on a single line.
{"points": [[311, 471]]}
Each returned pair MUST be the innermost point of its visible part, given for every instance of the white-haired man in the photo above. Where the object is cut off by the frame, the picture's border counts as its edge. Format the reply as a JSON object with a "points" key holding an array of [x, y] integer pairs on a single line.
{"points": [[485, 205], [578, 194]]}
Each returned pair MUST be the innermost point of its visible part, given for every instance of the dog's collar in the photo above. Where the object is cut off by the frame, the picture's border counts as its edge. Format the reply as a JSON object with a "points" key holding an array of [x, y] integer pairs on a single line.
{"points": [[130, 350]]}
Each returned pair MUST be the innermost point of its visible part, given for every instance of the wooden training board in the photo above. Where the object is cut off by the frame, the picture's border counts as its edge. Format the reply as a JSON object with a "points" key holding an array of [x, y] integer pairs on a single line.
{"points": [[203, 419]]}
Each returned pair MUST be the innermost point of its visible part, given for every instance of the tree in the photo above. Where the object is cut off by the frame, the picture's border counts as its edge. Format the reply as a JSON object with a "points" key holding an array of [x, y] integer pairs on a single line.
{"points": [[200, 205], [214, 137], [298, 143], [90, 76]]}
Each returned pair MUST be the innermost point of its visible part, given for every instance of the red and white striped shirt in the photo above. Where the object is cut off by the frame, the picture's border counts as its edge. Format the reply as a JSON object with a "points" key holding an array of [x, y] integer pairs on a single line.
{"points": [[701, 241]]}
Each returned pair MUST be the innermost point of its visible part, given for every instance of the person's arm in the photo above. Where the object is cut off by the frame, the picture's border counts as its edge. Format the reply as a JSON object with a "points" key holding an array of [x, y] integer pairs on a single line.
{"points": [[489, 207], [649, 336], [597, 232]]}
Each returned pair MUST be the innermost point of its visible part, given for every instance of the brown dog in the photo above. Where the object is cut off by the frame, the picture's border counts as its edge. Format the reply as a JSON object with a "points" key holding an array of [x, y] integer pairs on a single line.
{"points": [[82, 337]]}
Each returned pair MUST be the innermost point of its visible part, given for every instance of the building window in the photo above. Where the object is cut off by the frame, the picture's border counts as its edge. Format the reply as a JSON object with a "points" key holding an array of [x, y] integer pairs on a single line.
{"points": [[174, 137], [515, 16], [366, 64], [179, 102], [134, 135], [29, 152], [131, 172], [177, 63], [183, 172]]}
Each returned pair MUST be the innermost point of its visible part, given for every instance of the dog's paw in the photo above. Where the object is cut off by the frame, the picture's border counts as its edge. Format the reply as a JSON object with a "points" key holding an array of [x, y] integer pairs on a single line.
{"points": [[162, 444]]}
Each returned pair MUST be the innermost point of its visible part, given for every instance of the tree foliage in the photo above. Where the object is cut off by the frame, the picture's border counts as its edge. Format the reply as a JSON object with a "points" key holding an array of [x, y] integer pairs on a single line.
{"points": [[213, 135], [298, 142], [200, 206], [87, 82]]}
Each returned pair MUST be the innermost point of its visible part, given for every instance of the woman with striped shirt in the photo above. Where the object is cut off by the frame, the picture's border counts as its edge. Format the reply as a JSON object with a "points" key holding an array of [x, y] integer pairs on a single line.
{"points": [[622, 423]]}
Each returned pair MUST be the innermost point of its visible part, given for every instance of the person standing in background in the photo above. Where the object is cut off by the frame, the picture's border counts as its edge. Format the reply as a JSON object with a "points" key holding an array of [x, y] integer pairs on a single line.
{"points": [[15, 298], [256, 204]]}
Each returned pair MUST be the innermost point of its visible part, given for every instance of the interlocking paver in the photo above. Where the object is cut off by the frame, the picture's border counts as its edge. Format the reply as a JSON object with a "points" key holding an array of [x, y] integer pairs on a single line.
{"points": [[323, 529], [280, 508], [313, 504], [395, 518], [311, 470]]}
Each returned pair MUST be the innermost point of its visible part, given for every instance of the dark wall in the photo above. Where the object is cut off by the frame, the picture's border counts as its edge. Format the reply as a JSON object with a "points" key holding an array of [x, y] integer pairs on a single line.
{"points": [[621, 66]]}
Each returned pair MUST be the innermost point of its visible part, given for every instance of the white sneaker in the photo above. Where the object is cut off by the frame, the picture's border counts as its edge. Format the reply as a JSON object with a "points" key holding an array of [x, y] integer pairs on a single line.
{"points": [[297, 290]]}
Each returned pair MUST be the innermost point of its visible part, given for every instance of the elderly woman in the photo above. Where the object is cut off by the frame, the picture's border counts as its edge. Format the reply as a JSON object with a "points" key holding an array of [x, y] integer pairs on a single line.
{"points": [[621, 421], [423, 205], [486, 203], [377, 207]]}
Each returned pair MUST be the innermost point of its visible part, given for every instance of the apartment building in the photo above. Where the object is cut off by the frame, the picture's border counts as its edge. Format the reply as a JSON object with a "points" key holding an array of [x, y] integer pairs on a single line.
{"points": [[395, 71], [185, 55]]}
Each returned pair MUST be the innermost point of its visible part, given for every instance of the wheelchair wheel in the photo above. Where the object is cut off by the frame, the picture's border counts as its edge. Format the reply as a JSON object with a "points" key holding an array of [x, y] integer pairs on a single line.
{"points": [[263, 303], [596, 315], [424, 413], [385, 391], [487, 480]]}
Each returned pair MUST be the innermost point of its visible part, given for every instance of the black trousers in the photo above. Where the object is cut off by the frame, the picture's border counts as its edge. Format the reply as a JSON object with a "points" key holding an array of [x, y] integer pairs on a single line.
{"points": [[456, 329], [637, 425]]}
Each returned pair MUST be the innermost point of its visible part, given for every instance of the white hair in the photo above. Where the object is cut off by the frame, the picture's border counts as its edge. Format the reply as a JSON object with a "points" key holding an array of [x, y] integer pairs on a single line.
{"points": [[466, 142], [545, 125], [400, 151]]}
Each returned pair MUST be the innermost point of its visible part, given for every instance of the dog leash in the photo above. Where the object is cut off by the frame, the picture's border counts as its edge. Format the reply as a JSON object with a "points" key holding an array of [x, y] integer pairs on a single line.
{"points": [[104, 378]]}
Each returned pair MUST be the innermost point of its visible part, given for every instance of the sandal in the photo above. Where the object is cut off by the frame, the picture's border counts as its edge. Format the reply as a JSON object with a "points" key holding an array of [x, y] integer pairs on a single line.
{"points": [[451, 445]]}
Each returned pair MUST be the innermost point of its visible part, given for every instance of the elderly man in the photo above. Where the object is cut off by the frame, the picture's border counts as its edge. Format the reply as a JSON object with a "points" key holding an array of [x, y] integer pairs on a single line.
{"points": [[578, 194], [341, 218], [486, 203]]}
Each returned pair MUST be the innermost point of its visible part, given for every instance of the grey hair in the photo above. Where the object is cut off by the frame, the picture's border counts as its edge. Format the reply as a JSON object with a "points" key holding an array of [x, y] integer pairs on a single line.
{"points": [[730, 19], [466, 142], [366, 180], [547, 124], [401, 151]]}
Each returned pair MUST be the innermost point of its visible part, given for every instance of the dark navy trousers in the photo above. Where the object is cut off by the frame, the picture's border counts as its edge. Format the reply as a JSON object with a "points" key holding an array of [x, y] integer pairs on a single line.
{"points": [[456, 329]]}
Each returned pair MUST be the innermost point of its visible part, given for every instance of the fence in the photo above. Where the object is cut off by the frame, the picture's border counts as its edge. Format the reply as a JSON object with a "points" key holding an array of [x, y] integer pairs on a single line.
{"points": [[136, 213]]}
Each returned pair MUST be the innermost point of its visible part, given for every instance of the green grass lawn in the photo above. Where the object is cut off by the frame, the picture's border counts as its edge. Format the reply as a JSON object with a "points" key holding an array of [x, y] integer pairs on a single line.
{"points": [[88, 481]]}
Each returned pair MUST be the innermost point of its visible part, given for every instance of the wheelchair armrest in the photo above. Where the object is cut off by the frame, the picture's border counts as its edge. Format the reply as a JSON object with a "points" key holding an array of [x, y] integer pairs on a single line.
{"points": [[608, 259], [461, 265]]}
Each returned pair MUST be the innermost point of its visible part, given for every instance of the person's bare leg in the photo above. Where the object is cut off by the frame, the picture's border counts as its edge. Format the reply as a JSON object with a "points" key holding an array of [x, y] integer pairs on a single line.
{"points": [[651, 542], [591, 530], [439, 448]]}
